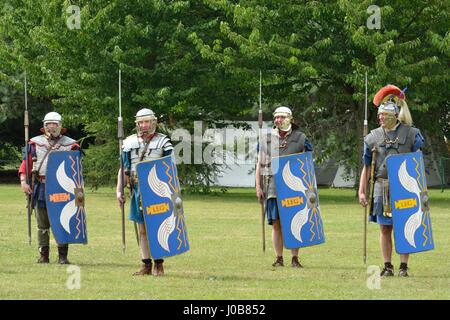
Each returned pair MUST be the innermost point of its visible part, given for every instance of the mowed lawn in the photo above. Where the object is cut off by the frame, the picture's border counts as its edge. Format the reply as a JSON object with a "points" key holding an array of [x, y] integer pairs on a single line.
{"points": [[225, 260]]}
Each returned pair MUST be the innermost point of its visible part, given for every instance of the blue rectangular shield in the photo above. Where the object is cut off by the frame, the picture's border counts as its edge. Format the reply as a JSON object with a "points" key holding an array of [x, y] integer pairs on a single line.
{"points": [[64, 197], [162, 206], [298, 200], [409, 201]]}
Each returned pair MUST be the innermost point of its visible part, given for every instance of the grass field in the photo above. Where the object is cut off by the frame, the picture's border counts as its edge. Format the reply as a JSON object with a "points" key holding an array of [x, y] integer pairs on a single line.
{"points": [[225, 260]]}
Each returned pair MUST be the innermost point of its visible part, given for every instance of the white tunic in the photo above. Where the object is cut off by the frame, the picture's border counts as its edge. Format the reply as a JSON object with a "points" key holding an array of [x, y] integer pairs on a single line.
{"points": [[136, 145], [42, 145]]}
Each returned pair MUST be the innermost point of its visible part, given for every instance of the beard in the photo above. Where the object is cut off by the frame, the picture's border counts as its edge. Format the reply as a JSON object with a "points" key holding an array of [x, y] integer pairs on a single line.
{"points": [[149, 130], [53, 133]]}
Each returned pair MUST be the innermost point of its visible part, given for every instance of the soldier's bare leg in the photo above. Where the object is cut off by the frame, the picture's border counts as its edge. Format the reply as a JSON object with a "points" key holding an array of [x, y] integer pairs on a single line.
{"points": [[386, 249], [404, 258], [146, 268], [145, 250], [277, 241], [386, 242], [277, 238]]}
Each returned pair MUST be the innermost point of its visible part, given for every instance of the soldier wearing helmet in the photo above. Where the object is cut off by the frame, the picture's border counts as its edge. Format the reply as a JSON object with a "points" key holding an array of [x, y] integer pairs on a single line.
{"points": [[394, 135], [147, 144], [285, 138], [39, 147]]}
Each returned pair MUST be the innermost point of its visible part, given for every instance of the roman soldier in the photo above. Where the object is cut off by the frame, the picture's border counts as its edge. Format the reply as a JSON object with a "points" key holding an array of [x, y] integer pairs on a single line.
{"points": [[53, 138], [146, 145], [284, 138], [394, 135]]}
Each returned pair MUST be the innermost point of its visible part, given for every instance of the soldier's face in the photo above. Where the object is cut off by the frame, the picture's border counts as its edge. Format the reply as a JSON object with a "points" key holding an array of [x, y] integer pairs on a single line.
{"points": [[278, 120], [282, 122], [147, 126], [52, 129], [387, 120], [51, 126]]}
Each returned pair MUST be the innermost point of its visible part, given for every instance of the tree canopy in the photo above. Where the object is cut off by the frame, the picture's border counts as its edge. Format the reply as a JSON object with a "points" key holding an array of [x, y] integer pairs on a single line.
{"points": [[200, 60]]}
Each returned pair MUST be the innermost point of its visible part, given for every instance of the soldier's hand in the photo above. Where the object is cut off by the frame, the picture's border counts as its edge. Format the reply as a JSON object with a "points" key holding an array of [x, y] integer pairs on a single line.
{"points": [[260, 194], [25, 188], [362, 199], [120, 198]]}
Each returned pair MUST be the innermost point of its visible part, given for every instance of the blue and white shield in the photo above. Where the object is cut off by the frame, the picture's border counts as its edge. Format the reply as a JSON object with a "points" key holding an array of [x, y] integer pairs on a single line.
{"points": [[159, 189], [64, 196], [298, 200], [410, 203]]}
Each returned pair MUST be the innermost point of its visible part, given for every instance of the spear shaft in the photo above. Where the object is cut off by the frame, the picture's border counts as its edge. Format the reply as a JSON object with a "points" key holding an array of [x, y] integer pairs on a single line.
{"points": [[260, 124], [365, 132], [26, 124], [120, 136]]}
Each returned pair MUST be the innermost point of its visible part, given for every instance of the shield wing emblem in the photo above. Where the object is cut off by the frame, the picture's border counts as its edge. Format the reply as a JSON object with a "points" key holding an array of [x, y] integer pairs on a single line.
{"points": [[64, 195], [410, 203], [162, 206], [298, 200]]}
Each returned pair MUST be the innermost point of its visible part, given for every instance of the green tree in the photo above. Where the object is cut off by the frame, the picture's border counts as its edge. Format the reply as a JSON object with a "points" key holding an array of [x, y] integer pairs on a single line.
{"points": [[200, 60], [314, 54], [77, 69]]}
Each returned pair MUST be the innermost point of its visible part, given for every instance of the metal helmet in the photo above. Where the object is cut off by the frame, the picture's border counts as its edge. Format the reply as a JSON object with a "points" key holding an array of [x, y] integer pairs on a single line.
{"points": [[146, 114], [287, 113], [391, 101], [387, 99], [389, 106], [52, 117]]}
